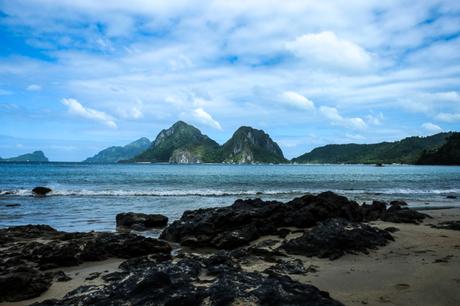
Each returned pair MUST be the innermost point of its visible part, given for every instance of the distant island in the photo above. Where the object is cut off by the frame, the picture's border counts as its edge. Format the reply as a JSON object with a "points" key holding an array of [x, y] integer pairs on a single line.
{"points": [[117, 153], [37, 156], [183, 143], [411, 150]]}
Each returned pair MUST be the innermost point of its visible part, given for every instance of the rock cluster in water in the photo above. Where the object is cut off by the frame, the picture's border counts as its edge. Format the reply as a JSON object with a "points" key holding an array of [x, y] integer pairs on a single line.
{"points": [[246, 220]]}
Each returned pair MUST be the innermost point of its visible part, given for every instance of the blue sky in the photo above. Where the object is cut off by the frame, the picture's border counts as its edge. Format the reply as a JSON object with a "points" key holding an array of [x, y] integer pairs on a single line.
{"points": [[77, 76]]}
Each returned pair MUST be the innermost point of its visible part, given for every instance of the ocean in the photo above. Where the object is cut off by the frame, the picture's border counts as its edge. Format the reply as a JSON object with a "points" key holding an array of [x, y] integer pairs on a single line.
{"points": [[88, 196]]}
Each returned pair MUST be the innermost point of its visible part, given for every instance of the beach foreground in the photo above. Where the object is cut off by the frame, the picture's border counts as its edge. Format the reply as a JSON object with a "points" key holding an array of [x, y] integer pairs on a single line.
{"points": [[404, 263]]}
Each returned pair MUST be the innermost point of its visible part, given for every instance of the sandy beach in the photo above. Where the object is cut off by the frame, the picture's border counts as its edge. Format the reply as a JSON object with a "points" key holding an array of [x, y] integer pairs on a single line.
{"points": [[419, 268]]}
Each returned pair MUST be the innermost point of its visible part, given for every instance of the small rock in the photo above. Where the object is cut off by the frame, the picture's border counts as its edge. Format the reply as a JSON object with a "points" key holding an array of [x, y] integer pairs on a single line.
{"points": [[392, 229], [13, 205], [451, 225], [141, 221], [398, 203], [60, 276], [41, 191]]}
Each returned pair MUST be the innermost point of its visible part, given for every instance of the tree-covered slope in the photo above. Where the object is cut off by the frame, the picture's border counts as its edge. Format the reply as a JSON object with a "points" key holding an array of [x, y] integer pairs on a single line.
{"points": [[37, 156], [117, 153], [249, 145], [181, 143], [407, 150], [447, 154]]}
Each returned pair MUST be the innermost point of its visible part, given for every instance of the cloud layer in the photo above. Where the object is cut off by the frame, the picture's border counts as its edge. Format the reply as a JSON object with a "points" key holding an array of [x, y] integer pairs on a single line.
{"points": [[307, 72]]}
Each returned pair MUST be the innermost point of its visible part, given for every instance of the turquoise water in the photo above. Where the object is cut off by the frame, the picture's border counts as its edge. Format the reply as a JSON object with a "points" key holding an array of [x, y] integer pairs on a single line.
{"points": [[87, 197]]}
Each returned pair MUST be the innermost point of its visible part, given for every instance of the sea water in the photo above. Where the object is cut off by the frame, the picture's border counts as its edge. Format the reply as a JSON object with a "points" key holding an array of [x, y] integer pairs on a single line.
{"points": [[88, 196]]}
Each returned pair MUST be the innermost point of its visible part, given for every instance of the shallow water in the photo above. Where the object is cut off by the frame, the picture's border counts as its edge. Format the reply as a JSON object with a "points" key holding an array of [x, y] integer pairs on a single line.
{"points": [[87, 197]]}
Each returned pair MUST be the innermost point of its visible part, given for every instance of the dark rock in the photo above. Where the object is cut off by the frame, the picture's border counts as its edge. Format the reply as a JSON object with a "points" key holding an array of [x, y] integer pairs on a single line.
{"points": [[294, 266], [451, 225], [13, 205], [247, 220], [451, 196], [41, 191], [61, 276], [24, 257], [374, 211], [140, 222], [282, 232], [397, 214], [23, 283], [93, 275], [398, 203], [169, 283], [335, 237], [392, 229]]}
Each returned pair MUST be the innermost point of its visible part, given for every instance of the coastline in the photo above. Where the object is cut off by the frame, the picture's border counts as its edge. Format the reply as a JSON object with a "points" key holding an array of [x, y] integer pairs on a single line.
{"points": [[418, 268]]}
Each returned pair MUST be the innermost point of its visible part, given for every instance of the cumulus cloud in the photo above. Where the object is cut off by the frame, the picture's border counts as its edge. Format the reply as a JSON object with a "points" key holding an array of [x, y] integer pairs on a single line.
{"points": [[326, 49], [297, 100], [334, 116], [76, 108], [431, 127], [204, 117], [448, 117], [34, 87]]}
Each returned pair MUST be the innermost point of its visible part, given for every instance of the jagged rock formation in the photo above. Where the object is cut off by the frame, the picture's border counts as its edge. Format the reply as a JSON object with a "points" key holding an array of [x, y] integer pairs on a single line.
{"points": [[145, 281], [28, 251], [117, 153], [181, 143], [249, 145], [37, 156], [247, 220]]}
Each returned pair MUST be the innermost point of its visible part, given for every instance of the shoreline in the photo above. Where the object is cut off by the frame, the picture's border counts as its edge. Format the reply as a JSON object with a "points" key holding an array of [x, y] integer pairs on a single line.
{"points": [[418, 268]]}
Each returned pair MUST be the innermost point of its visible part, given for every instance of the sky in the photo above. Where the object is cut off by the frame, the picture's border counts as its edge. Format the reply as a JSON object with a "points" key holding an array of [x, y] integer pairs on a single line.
{"points": [[78, 76]]}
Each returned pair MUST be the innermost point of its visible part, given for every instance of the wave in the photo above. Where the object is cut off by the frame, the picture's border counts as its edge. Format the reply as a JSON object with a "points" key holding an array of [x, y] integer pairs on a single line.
{"points": [[224, 193]]}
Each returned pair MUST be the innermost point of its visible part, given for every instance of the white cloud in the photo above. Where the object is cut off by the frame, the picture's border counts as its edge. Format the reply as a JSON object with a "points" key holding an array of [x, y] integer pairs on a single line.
{"points": [[448, 117], [333, 115], [297, 100], [325, 48], [375, 119], [202, 116], [431, 127], [77, 109], [34, 87]]}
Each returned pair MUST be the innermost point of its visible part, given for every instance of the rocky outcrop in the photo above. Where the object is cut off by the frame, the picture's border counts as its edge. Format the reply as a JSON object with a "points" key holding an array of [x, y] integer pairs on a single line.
{"points": [[335, 237], [181, 137], [194, 281], [41, 191], [180, 156], [249, 145], [29, 250], [139, 221], [246, 220]]}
